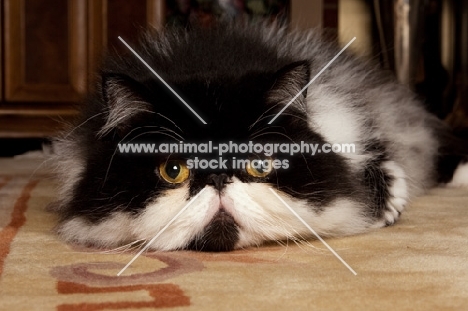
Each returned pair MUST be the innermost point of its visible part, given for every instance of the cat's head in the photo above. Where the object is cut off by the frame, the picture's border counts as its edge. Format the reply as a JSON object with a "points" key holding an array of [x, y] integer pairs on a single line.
{"points": [[110, 197]]}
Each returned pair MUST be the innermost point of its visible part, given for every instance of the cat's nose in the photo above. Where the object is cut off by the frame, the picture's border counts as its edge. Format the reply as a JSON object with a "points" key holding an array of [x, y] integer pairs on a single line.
{"points": [[218, 180]]}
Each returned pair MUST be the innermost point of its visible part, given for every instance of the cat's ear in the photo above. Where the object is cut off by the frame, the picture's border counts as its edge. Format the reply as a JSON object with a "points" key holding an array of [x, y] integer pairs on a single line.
{"points": [[289, 81], [125, 102]]}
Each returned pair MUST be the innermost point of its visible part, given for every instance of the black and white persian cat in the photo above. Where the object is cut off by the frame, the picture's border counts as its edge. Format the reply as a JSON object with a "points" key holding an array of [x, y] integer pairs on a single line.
{"points": [[237, 78]]}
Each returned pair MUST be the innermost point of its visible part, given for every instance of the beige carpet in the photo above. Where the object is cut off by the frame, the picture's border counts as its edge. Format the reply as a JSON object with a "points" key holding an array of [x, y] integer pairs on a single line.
{"points": [[419, 264]]}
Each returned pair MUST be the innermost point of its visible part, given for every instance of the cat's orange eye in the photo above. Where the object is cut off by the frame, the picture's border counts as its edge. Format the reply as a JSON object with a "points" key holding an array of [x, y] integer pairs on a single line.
{"points": [[259, 167], [174, 171]]}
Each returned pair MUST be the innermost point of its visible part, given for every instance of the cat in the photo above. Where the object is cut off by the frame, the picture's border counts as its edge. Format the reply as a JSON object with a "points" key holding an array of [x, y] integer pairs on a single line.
{"points": [[237, 78]]}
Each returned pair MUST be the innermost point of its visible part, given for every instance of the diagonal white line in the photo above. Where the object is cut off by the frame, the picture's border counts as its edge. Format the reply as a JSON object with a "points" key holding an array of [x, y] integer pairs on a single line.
{"points": [[161, 79], [160, 232], [312, 81], [313, 231]]}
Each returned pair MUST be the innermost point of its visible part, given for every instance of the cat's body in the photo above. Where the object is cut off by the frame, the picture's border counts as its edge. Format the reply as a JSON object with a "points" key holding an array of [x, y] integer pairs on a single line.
{"points": [[238, 79]]}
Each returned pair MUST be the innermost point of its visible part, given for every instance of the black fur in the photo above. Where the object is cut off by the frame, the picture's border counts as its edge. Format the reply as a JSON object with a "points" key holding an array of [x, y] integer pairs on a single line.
{"points": [[220, 235]]}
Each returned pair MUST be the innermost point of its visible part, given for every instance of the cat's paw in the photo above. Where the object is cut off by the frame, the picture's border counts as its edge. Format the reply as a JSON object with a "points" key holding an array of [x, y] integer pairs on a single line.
{"points": [[460, 177], [397, 193]]}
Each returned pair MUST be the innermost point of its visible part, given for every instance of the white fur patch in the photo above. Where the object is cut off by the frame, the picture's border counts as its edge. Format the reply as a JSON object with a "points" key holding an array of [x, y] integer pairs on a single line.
{"points": [[398, 190], [261, 217], [109, 233], [190, 223], [332, 117], [460, 176]]}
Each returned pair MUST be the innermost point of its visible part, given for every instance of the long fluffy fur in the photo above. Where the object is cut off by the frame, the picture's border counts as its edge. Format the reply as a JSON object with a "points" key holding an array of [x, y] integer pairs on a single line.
{"points": [[351, 102]]}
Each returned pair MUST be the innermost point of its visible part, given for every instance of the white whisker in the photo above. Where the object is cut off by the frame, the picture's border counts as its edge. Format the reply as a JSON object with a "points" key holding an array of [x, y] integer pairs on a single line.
{"points": [[313, 232], [161, 231]]}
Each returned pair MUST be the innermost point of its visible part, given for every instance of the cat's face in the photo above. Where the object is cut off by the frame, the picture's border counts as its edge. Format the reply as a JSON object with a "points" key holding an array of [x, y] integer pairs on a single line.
{"points": [[120, 197]]}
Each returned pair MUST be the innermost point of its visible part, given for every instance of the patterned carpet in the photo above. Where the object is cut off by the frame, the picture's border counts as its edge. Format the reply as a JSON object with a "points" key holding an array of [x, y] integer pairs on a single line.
{"points": [[419, 264]]}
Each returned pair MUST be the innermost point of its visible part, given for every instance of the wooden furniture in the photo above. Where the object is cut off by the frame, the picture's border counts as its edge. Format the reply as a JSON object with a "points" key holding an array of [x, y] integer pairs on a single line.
{"points": [[50, 51]]}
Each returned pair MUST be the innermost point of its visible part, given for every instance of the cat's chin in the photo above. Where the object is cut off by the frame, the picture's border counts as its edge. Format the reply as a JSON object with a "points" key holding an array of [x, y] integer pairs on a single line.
{"points": [[220, 235]]}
